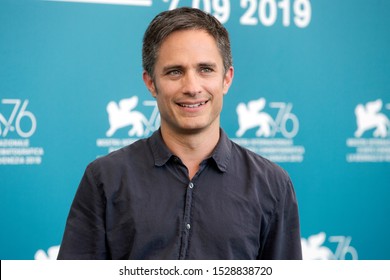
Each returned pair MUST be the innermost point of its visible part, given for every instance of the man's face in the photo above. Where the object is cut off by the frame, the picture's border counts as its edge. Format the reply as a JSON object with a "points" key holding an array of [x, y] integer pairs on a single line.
{"points": [[189, 82]]}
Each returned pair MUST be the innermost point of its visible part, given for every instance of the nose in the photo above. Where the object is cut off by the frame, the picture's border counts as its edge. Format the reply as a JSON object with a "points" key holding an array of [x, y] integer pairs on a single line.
{"points": [[191, 83]]}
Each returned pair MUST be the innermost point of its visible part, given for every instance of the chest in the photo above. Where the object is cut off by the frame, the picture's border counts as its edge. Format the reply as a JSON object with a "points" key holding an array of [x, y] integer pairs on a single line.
{"points": [[203, 218]]}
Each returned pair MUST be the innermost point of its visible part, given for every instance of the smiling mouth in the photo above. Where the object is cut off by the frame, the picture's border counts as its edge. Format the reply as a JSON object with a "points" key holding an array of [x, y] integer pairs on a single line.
{"points": [[195, 105]]}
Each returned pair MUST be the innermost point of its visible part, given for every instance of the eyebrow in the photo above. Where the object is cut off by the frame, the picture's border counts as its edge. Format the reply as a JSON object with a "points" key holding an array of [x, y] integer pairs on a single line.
{"points": [[208, 64], [171, 67], [178, 66]]}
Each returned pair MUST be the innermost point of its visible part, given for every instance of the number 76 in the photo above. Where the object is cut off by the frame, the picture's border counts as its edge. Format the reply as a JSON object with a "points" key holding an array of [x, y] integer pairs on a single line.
{"points": [[18, 113]]}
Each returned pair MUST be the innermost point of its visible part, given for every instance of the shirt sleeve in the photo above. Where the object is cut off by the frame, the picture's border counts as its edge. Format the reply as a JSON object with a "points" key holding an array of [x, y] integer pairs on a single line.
{"points": [[84, 236], [282, 240]]}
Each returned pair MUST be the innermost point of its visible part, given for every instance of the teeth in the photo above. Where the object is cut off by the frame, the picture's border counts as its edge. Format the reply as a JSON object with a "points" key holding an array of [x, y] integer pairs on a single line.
{"points": [[193, 105]]}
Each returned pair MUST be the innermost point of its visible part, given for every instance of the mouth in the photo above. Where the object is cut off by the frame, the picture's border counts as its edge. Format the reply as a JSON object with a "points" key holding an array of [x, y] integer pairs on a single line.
{"points": [[192, 105]]}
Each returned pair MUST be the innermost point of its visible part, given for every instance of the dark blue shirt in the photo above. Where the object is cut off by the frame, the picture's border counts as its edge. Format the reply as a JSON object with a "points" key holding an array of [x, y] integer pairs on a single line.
{"points": [[139, 203]]}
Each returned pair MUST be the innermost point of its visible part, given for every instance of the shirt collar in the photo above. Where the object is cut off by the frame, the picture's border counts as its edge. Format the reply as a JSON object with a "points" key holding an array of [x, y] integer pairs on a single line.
{"points": [[220, 155], [160, 151], [222, 152]]}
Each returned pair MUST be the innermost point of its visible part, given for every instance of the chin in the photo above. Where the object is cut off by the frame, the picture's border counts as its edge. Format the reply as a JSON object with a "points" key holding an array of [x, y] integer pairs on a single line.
{"points": [[194, 128], [191, 130]]}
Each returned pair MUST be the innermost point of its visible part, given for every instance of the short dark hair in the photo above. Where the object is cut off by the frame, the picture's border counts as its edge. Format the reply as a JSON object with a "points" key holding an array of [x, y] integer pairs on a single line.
{"points": [[178, 19]]}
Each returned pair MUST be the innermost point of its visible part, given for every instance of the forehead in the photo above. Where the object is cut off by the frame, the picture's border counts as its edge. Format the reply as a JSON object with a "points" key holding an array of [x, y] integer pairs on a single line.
{"points": [[190, 43]]}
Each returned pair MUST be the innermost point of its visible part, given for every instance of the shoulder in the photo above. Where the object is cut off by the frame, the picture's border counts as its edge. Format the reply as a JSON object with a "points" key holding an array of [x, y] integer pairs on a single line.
{"points": [[121, 158], [109, 173], [267, 177], [256, 162]]}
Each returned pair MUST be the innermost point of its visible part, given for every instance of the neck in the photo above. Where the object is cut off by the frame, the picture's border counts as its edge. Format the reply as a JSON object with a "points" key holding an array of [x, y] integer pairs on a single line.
{"points": [[191, 148]]}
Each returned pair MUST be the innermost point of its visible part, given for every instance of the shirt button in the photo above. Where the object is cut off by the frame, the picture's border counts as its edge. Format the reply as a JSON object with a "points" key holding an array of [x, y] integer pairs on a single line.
{"points": [[191, 185], [188, 226]]}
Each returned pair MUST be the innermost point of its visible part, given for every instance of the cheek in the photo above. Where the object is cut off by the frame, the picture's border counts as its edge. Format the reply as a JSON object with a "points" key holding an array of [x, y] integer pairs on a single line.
{"points": [[166, 89], [218, 90], [217, 100], [165, 105]]}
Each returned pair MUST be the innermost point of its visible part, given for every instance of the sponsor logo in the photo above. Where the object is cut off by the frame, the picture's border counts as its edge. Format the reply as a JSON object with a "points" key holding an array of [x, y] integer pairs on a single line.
{"points": [[270, 134], [17, 126], [371, 142], [127, 115], [313, 248]]}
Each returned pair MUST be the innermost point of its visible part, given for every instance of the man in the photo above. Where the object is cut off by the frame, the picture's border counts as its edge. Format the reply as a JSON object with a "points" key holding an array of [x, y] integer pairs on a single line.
{"points": [[186, 192]]}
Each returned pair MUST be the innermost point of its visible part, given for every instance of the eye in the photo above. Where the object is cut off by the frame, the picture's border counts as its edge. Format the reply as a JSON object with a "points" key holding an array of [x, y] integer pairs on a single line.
{"points": [[174, 73], [206, 70]]}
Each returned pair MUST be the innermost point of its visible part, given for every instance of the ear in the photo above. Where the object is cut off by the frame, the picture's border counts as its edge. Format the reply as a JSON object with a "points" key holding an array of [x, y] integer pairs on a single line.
{"points": [[149, 83], [228, 79]]}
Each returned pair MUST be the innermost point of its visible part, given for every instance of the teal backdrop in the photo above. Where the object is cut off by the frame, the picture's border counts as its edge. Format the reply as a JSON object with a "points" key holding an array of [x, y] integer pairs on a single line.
{"points": [[311, 92]]}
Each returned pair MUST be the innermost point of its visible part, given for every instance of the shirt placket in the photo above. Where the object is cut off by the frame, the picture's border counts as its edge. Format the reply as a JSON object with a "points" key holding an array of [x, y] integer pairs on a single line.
{"points": [[186, 221]]}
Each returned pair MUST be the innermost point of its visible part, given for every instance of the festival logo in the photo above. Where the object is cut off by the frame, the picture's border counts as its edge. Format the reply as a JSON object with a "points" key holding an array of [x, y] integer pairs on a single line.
{"points": [[371, 142], [129, 116], [17, 126], [369, 118], [122, 115], [313, 248], [250, 116], [269, 133], [51, 254]]}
